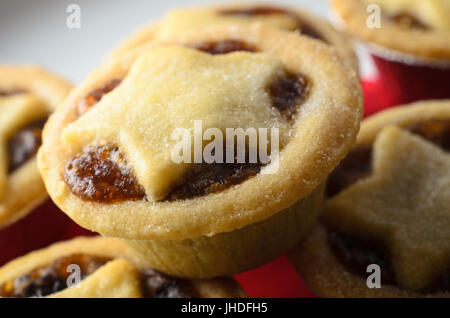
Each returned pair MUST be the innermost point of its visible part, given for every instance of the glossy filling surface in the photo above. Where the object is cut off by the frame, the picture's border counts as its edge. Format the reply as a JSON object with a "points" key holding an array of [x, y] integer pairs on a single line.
{"points": [[47, 280], [288, 92], [354, 253], [101, 174], [96, 95], [24, 144], [304, 27], [224, 47], [204, 179]]}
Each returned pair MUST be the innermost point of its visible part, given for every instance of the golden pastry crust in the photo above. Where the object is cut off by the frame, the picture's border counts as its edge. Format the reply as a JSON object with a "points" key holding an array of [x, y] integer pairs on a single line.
{"points": [[23, 189], [236, 251], [314, 259], [325, 128], [430, 46], [402, 116], [180, 20], [329, 137], [117, 278]]}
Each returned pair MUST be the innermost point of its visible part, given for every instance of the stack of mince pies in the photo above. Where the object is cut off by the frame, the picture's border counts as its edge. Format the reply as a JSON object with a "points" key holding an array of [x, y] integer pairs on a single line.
{"points": [[106, 157], [28, 95], [176, 228], [105, 268], [388, 205]]}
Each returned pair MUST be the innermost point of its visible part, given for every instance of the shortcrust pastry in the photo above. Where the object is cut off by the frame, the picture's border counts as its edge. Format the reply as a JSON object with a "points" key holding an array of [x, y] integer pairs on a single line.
{"points": [[100, 267], [27, 96], [414, 27], [106, 157], [388, 205], [178, 21]]}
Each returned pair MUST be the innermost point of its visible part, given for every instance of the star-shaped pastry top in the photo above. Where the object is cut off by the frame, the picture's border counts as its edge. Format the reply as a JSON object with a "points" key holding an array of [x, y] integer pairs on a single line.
{"points": [[169, 88], [15, 112], [405, 204], [180, 20]]}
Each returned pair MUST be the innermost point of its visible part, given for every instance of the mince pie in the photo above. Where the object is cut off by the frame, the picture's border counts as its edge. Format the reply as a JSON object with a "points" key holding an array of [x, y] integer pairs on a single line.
{"points": [[107, 152], [388, 205], [27, 96], [100, 268], [290, 19], [414, 27]]}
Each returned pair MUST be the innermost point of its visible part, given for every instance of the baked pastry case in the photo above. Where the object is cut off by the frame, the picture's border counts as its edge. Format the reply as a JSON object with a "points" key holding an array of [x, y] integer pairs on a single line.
{"points": [[226, 150]]}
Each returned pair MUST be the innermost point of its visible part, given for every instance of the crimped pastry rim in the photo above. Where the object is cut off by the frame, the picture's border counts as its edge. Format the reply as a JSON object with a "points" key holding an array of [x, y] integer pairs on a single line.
{"points": [[51, 89], [113, 248], [237, 206], [433, 47], [313, 258]]}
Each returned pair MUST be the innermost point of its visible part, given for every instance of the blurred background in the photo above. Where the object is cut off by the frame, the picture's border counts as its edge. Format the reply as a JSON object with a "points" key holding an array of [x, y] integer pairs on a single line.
{"points": [[35, 31]]}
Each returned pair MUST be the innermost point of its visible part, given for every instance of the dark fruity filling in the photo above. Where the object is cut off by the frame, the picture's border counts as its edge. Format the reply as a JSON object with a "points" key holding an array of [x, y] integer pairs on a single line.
{"points": [[10, 92], [48, 280], [305, 28], [309, 30], [101, 174], [408, 21], [287, 93], [224, 47], [436, 131], [155, 284], [96, 95], [204, 179], [24, 144], [356, 254]]}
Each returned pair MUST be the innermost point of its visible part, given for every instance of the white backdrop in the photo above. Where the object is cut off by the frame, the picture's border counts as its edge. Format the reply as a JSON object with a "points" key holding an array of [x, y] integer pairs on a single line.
{"points": [[35, 31]]}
